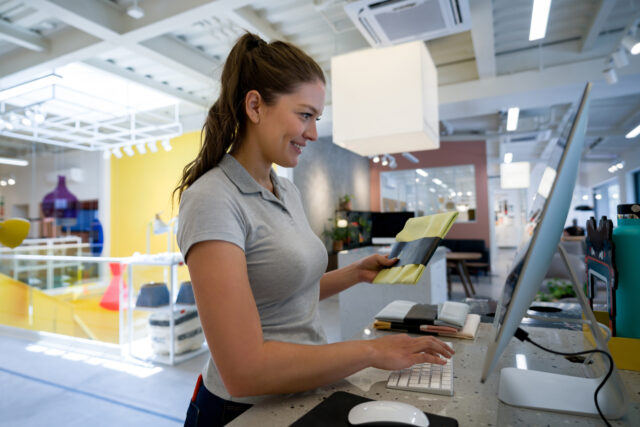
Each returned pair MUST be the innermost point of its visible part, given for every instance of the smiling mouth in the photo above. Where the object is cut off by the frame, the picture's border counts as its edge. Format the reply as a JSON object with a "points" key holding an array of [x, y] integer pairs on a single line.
{"points": [[298, 146]]}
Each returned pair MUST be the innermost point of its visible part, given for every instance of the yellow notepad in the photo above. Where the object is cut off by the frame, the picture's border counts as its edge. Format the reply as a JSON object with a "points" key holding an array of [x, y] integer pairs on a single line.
{"points": [[415, 245]]}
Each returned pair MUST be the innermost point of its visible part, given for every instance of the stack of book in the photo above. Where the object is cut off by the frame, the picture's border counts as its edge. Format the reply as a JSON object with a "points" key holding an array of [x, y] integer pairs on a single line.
{"points": [[449, 319]]}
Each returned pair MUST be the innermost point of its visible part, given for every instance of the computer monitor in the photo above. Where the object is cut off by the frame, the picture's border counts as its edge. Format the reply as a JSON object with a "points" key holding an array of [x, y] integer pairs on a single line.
{"points": [[542, 234], [385, 226]]}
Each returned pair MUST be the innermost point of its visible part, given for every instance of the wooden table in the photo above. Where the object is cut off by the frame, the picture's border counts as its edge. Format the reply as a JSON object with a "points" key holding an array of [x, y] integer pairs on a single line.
{"points": [[458, 261]]}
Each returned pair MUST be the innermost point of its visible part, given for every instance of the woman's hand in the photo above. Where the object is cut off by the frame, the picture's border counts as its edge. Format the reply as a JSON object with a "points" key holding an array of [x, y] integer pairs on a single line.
{"points": [[369, 267], [400, 351]]}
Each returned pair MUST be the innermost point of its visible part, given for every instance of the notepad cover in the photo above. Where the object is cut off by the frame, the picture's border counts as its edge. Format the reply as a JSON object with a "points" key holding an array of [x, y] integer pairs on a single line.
{"points": [[415, 245]]}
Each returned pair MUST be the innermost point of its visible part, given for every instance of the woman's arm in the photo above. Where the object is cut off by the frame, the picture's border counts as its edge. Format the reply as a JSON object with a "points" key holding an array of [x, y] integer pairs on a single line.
{"points": [[364, 270], [250, 366]]}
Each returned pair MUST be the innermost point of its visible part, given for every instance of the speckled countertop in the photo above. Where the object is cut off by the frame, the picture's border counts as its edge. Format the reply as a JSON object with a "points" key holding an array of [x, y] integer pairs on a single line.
{"points": [[473, 403]]}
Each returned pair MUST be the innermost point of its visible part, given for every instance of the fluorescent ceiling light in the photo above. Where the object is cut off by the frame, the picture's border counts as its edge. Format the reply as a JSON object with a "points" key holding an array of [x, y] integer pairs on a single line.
{"points": [[421, 172], [539, 19], [632, 44], [633, 133], [512, 118], [436, 181], [14, 162], [30, 86], [508, 157]]}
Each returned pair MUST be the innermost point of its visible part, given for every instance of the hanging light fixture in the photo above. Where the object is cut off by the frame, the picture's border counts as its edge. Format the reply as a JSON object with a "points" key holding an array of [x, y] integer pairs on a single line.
{"points": [[166, 145]]}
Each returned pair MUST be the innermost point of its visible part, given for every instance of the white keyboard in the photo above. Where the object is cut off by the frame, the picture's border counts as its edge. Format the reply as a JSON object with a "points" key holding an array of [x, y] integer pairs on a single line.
{"points": [[424, 378]]}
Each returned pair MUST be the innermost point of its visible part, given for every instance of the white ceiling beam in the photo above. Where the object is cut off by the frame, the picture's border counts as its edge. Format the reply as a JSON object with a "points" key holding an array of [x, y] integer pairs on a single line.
{"points": [[482, 37], [181, 53], [246, 18], [130, 75], [533, 89], [105, 22], [95, 17], [164, 16], [602, 10], [21, 37], [69, 45]]}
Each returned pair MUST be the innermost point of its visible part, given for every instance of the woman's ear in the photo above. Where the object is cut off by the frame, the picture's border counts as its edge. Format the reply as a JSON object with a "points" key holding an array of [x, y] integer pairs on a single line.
{"points": [[253, 104]]}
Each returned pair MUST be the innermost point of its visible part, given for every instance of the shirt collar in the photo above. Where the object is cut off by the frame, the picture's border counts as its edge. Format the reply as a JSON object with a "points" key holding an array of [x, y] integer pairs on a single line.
{"points": [[243, 180]]}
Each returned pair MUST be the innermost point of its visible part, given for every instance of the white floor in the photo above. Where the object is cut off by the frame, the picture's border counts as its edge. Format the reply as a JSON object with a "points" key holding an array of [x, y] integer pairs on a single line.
{"points": [[42, 384]]}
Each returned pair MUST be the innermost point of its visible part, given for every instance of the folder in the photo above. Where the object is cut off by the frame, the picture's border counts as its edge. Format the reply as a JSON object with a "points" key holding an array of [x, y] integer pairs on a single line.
{"points": [[414, 247]]}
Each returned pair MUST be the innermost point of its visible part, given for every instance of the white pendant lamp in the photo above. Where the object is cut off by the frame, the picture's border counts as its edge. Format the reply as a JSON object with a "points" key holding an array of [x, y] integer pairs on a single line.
{"points": [[385, 100]]}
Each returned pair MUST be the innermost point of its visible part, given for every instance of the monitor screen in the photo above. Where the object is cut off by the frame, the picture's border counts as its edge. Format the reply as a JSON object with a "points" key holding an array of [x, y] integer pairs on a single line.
{"points": [[388, 224], [546, 220]]}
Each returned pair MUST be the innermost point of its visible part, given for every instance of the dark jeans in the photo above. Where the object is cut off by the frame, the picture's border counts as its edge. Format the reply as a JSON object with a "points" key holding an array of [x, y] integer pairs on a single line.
{"points": [[208, 410]]}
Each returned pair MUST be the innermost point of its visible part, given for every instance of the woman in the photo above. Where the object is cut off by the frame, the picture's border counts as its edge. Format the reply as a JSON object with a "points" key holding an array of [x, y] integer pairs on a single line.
{"points": [[258, 270]]}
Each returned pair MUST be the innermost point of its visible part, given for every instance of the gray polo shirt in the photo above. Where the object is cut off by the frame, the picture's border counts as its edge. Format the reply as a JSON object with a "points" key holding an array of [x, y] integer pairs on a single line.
{"points": [[285, 259]]}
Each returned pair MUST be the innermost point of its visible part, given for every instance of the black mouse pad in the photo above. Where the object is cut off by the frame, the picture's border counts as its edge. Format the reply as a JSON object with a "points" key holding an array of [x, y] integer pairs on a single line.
{"points": [[334, 411]]}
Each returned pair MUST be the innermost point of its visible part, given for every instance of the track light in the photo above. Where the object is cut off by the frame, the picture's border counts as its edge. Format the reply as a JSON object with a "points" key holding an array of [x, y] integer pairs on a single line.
{"points": [[135, 11], [116, 152], [3, 182], [25, 121], [620, 58], [11, 181], [153, 146], [385, 161], [410, 157], [610, 76], [166, 145], [128, 150], [376, 159], [141, 148], [615, 167], [631, 44], [106, 154]]}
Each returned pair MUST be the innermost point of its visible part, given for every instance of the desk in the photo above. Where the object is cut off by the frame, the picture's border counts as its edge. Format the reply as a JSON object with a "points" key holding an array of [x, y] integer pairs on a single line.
{"points": [[473, 403], [361, 302], [458, 260]]}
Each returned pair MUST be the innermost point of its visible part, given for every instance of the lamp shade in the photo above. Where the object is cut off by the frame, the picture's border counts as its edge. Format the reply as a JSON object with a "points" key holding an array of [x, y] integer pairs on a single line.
{"points": [[61, 204], [515, 175], [385, 100]]}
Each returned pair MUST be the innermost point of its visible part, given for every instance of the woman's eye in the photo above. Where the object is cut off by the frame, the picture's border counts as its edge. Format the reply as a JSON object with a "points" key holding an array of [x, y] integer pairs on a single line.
{"points": [[306, 116]]}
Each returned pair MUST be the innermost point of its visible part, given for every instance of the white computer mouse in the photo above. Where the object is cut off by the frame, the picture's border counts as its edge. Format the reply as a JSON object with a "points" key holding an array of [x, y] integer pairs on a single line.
{"points": [[384, 411]]}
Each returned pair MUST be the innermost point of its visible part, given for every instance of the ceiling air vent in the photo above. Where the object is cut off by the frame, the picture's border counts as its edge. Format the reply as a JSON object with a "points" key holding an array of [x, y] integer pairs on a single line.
{"points": [[389, 22]]}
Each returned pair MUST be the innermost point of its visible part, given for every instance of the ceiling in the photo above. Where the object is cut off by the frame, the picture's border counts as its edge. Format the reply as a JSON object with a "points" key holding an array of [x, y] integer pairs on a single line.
{"points": [[178, 47]]}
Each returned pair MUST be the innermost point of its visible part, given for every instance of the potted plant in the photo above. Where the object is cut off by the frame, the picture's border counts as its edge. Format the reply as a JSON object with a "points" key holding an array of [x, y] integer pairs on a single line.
{"points": [[337, 234], [345, 202]]}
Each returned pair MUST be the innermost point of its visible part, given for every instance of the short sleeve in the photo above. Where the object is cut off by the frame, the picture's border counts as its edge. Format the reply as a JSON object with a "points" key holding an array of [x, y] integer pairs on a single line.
{"points": [[213, 216]]}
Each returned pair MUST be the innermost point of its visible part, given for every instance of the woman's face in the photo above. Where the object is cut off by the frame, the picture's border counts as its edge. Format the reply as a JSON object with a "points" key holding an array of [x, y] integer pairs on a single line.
{"points": [[286, 126]]}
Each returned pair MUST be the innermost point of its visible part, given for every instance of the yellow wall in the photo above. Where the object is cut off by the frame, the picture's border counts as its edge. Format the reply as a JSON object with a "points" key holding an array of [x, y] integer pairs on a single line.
{"points": [[141, 186]]}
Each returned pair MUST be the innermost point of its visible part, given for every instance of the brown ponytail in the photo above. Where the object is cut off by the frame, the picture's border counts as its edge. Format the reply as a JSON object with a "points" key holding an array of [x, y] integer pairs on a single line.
{"points": [[272, 69]]}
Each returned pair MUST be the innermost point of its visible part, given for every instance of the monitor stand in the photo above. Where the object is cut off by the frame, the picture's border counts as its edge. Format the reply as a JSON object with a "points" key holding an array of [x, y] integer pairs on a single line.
{"points": [[566, 393]]}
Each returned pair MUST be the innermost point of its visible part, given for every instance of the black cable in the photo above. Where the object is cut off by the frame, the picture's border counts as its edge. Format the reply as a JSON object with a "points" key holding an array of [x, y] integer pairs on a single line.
{"points": [[523, 335]]}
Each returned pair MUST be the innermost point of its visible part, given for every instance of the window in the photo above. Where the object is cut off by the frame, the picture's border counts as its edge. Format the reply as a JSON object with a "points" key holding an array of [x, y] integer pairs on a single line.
{"points": [[430, 190]]}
